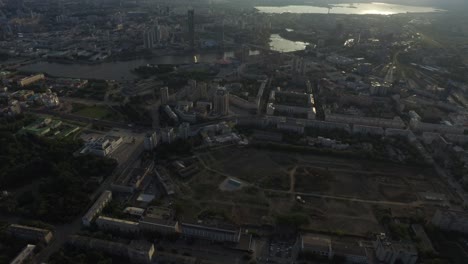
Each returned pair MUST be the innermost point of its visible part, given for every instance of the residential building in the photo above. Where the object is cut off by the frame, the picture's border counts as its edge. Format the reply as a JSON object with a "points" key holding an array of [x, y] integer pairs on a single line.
{"points": [[165, 179], [291, 125], [31, 79], [391, 252], [168, 135], [368, 130], [451, 220], [221, 101], [102, 146], [352, 251], [425, 242], [329, 247], [396, 122], [150, 141], [222, 233], [114, 224], [30, 233], [317, 245], [184, 131], [25, 256], [164, 95], [159, 219], [418, 126], [136, 251], [97, 207]]}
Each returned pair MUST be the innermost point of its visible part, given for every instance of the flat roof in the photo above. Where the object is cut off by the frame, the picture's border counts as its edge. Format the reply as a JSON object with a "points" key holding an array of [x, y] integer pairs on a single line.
{"points": [[122, 221]]}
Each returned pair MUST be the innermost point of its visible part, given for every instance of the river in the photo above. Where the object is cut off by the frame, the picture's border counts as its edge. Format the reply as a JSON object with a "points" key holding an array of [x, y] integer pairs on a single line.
{"points": [[356, 9], [122, 70], [116, 70]]}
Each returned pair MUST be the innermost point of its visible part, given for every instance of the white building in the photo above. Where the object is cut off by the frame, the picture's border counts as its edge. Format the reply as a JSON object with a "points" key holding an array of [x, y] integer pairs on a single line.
{"points": [[102, 146]]}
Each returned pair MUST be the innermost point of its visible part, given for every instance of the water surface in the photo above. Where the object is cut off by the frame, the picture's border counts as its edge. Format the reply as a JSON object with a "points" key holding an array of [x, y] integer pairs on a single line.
{"points": [[357, 9]]}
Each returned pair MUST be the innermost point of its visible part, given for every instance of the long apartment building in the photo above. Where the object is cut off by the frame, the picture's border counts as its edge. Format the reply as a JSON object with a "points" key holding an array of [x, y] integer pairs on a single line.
{"points": [[96, 208]]}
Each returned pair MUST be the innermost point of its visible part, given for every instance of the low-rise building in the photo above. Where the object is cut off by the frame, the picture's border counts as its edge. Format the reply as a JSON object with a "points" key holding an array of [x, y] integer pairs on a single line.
{"points": [[424, 241], [368, 130], [436, 128], [159, 219], [31, 79], [30, 233], [222, 233], [96, 208], [352, 251], [317, 245], [102, 146], [136, 251], [25, 256], [165, 180], [114, 224], [391, 252], [396, 122]]}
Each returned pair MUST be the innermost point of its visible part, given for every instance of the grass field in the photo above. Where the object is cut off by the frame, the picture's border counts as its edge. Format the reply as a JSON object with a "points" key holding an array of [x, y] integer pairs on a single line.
{"points": [[97, 111]]}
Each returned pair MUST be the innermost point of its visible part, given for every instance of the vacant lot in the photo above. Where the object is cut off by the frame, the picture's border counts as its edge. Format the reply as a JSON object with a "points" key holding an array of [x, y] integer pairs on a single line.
{"points": [[338, 193], [97, 111]]}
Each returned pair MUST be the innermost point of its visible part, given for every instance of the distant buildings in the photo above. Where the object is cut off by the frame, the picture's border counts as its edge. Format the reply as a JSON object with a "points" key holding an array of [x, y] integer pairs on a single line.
{"points": [[221, 101], [31, 79], [30, 233], [96, 208], [150, 37]]}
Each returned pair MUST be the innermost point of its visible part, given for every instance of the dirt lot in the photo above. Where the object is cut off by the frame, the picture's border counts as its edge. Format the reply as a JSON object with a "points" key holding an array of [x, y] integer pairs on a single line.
{"points": [[338, 193]]}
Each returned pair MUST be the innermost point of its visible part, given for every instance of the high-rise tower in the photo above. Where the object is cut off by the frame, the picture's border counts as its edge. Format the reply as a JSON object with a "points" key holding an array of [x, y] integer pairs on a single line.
{"points": [[221, 101]]}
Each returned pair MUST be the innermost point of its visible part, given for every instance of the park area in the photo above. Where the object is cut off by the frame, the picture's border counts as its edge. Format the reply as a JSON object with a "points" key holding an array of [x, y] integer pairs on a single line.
{"points": [[339, 193]]}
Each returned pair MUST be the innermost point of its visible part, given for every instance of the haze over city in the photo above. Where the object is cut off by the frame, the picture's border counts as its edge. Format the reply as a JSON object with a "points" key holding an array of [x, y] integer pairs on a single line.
{"points": [[234, 132]]}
